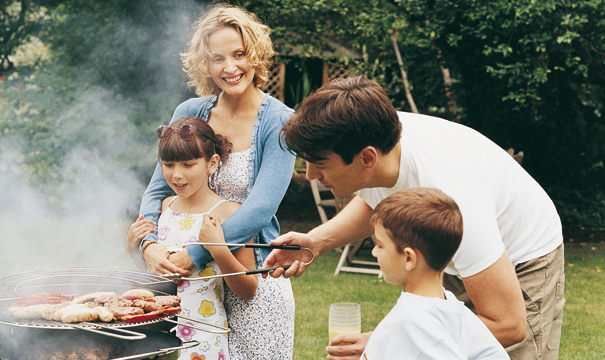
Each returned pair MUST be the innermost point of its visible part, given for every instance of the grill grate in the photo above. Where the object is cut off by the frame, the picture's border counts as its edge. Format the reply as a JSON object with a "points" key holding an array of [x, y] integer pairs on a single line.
{"points": [[76, 280]]}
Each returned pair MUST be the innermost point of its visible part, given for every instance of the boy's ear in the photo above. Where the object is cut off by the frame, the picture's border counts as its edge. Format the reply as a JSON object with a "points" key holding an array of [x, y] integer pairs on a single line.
{"points": [[410, 259], [213, 163], [369, 156]]}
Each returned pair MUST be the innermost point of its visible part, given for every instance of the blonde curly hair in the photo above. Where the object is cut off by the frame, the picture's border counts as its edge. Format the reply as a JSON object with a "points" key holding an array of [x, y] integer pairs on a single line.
{"points": [[255, 36]]}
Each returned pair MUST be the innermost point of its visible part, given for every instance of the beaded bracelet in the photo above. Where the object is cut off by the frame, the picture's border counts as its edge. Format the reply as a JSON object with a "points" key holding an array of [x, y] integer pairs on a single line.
{"points": [[146, 245]]}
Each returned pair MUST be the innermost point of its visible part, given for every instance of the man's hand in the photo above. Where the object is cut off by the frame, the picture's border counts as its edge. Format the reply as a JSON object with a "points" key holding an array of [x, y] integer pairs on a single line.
{"points": [[348, 346], [295, 258], [158, 262]]}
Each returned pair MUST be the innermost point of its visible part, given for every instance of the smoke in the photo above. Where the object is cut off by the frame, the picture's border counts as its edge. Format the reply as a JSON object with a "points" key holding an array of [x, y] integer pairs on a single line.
{"points": [[81, 218]]}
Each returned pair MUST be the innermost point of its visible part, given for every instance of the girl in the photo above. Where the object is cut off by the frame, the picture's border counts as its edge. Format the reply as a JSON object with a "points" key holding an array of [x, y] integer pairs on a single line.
{"points": [[227, 63], [189, 152]]}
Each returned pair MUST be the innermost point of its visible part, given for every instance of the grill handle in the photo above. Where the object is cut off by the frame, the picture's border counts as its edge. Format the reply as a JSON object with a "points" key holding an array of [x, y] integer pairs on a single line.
{"points": [[221, 329], [185, 345], [103, 330], [269, 246]]}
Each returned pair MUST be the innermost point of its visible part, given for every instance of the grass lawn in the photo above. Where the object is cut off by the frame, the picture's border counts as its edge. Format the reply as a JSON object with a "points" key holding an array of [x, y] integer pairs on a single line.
{"points": [[583, 334]]}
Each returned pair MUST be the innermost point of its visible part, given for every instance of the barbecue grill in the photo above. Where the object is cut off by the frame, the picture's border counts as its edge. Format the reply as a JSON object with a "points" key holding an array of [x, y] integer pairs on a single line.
{"points": [[43, 339]]}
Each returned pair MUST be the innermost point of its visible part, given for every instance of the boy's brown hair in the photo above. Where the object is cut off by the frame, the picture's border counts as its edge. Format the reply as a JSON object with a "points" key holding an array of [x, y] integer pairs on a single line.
{"points": [[425, 219], [343, 117]]}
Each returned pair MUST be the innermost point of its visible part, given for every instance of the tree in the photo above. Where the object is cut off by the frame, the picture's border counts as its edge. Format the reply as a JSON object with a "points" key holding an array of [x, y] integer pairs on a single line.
{"points": [[527, 74]]}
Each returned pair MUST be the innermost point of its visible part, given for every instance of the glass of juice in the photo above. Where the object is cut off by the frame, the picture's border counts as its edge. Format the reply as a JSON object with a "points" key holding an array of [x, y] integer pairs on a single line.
{"points": [[344, 318]]}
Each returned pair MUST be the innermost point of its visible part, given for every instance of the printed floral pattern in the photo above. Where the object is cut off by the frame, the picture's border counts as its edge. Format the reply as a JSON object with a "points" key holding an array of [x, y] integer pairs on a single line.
{"points": [[185, 332], [198, 299], [163, 232], [182, 285], [208, 271], [207, 309], [186, 223]]}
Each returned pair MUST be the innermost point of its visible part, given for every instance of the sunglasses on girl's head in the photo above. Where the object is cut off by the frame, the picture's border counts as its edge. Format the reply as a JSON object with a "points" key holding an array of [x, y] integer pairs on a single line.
{"points": [[185, 132]]}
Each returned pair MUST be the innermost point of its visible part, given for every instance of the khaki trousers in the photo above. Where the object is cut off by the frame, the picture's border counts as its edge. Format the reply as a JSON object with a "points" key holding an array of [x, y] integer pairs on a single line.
{"points": [[542, 281]]}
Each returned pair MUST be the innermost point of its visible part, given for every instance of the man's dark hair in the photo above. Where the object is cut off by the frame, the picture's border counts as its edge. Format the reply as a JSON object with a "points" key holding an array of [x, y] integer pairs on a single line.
{"points": [[343, 117]]}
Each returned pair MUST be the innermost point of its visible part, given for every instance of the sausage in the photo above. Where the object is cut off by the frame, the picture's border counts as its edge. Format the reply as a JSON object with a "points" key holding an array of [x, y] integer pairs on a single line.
{"points": [[58, 314], [48, 312], [137, 293], [104, 314], [75, 315], [29, 312], [90, 297], [13, 309]]}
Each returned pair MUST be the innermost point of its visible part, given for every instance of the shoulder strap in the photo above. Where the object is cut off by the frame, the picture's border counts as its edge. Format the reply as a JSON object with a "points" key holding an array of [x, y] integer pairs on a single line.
{"points": [[215, 205]]}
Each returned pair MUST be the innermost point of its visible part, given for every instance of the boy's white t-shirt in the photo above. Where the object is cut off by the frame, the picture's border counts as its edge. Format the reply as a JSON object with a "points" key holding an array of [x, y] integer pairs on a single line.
{"points": [[503, 207], [422, 328]]}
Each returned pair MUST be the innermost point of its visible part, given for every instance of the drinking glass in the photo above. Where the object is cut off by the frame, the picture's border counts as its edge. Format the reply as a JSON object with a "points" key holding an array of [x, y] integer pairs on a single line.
{"points": [[345, 318]]}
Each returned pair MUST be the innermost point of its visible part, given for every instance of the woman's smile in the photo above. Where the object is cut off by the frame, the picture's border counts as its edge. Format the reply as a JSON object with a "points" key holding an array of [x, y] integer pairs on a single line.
{"points": [[233, 79]]}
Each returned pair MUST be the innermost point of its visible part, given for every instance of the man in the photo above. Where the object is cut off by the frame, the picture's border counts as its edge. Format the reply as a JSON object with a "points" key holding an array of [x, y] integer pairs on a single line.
{"points": [[509, 267]]}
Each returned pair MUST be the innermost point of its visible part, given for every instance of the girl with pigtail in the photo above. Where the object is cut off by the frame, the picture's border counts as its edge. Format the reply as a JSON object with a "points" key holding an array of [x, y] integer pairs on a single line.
{"points": [[189, 152]]}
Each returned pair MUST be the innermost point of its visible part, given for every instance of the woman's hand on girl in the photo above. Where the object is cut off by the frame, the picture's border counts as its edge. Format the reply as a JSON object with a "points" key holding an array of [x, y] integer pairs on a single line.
{"points": [[158, 262], [137, 232]]}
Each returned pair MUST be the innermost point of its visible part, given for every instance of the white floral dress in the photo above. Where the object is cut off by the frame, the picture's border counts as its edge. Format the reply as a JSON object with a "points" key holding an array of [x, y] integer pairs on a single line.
{"points": [[262, 328], [201, 300]]}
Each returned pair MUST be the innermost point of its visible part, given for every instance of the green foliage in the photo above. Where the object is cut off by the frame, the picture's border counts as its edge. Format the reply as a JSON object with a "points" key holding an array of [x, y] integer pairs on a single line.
{"points": [[527, 74], [18, 19]]}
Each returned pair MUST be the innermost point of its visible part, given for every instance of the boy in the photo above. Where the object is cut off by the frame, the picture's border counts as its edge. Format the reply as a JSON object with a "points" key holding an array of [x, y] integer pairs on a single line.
{"points": [[417, 232]]}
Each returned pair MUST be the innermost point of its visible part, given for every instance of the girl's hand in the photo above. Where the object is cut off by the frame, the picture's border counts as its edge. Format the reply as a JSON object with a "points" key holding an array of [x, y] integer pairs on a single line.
{"points": [[137, 231], [181, 259], [158, 263], [211, 230]]}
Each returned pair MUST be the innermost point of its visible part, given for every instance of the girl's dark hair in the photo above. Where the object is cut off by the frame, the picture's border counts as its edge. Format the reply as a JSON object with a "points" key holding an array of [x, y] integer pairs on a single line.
{"points": [[204, 144]]}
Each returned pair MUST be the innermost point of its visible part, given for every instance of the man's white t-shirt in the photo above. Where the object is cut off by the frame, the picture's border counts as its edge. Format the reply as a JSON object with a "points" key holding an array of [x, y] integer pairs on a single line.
{"points": [[502, 206], [421, 328]]}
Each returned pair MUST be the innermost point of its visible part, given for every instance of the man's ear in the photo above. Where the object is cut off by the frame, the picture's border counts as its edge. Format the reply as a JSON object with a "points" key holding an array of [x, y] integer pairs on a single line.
{"points": [[369, 156], [410, 259], [213, 163]]}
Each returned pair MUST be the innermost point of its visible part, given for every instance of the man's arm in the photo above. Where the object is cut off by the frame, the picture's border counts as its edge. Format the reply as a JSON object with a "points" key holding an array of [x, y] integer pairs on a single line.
{"points": [[497, 296], [351, 224]]}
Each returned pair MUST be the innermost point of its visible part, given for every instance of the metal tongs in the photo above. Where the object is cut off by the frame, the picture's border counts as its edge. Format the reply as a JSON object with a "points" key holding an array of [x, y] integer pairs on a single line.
{"points": [[178, 248]]}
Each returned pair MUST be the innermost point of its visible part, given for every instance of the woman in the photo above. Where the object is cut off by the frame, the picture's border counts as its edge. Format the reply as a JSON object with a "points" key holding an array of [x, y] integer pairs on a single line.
{"points": [[227, 63]]}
